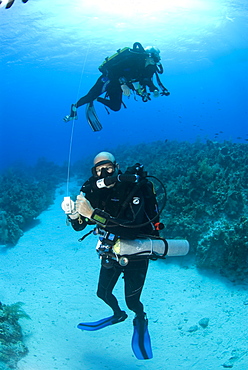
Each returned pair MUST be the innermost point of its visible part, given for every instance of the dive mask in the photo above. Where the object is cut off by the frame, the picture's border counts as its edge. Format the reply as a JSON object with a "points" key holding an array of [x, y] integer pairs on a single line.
{"points": [[107, 170]]}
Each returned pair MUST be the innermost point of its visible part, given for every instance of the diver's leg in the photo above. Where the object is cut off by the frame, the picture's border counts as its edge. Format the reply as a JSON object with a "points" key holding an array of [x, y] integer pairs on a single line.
{"points": [[107, 280], [99, 88], [115, 97], [134, 277], [94, 92]]}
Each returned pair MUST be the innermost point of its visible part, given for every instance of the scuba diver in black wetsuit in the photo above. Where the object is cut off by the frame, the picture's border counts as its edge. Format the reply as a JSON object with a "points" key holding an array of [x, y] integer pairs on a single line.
{"points": [[128, 69], [122, 210], [9, 3]]}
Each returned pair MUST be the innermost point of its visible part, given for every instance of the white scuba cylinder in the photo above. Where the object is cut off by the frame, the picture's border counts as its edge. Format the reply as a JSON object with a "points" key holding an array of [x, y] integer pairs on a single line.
{"points": [[151, 246], [177, 247]]}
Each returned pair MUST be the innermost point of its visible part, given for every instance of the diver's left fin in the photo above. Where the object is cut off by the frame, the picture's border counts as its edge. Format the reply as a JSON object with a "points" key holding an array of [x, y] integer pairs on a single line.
{"points": [[97, 325], [9, 5], [141, 341], [92, 118]]}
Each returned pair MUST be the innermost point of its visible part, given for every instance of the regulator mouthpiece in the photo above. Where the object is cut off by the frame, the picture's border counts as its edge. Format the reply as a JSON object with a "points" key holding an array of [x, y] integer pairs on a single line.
{"points": [[104, 182]]}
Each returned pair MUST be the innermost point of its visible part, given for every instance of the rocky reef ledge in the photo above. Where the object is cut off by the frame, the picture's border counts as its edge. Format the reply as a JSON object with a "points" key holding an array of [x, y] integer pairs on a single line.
{"points": [[12, 347]]}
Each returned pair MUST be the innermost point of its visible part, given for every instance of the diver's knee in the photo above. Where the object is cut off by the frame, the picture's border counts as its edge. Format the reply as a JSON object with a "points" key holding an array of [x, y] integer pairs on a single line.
{"points": [[131, 305], [116, 109]]}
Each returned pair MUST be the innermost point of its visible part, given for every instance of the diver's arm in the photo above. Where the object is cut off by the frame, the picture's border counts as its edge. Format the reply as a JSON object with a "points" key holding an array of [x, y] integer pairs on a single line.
{"points": [[124, 86], [148, 76], [82, 207], [149, 83], [78, 223]]}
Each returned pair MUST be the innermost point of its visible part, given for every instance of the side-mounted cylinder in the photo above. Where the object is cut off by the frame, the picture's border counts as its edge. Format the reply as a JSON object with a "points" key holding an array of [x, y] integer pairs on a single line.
{"points": [[153, 247]]}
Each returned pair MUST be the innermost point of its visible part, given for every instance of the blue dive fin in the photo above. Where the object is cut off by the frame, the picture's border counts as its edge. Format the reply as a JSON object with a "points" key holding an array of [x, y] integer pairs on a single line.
{"points": [[92, 118], [141, 341], [97, 325]]}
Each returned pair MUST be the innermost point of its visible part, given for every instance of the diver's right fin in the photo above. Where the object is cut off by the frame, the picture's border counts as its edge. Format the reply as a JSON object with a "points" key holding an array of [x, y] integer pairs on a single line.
{"points": [[141, 341], [92, 118], [97, 325]]}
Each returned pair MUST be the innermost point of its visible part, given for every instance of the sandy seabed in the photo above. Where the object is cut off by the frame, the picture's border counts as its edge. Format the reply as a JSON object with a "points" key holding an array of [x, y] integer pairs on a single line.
{"points": [[56, 277]]}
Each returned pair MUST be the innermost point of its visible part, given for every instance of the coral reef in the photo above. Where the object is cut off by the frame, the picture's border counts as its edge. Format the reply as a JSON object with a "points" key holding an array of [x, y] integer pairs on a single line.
{"points": [[25, 193], [207, 196], [12, 348]]}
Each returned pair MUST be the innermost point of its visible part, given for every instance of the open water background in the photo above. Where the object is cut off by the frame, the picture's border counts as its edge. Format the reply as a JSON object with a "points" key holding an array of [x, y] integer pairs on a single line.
{"points": [[51, 50]]}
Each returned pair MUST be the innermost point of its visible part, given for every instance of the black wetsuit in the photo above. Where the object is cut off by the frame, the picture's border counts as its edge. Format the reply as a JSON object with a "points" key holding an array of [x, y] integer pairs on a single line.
{"points": [[135, 212], [104, 85], [134, 70]]}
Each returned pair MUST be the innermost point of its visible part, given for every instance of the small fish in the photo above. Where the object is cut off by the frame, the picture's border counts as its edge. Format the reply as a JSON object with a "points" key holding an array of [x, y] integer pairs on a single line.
{"points": [[9, 3]]}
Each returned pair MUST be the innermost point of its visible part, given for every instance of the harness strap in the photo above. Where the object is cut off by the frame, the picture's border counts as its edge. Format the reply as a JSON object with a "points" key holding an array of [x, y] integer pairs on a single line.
{"points": [[129, 197], [85, 236], [106, 109]]}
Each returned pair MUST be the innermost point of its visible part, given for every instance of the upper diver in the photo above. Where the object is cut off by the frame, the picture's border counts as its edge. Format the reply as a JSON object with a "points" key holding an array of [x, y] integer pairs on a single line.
{"points": [[9, 3], [130, 69]]}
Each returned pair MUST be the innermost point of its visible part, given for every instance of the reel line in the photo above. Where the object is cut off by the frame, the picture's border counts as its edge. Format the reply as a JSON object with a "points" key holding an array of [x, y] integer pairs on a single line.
{"points": [[73, 124]]}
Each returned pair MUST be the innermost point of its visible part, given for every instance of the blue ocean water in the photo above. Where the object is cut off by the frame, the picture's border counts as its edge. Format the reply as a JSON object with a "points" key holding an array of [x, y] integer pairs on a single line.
{"points": [[50, 55]]}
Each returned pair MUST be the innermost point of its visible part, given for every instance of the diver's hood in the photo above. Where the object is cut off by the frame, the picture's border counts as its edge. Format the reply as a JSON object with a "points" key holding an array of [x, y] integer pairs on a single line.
{"points": [[153, 52]]}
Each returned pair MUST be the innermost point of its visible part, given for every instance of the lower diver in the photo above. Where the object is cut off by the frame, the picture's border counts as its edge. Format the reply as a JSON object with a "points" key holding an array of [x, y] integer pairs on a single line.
{"points": [[121, 210], [130, 69]]}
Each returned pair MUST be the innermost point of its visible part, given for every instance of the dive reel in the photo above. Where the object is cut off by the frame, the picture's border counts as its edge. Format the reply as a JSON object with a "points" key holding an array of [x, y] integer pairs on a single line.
{"points": [[68, 206]]}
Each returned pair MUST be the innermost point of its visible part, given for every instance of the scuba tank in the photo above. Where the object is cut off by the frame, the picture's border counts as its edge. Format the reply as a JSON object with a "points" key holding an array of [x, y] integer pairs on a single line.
{"points": [[121, 57], [147, 247]]}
